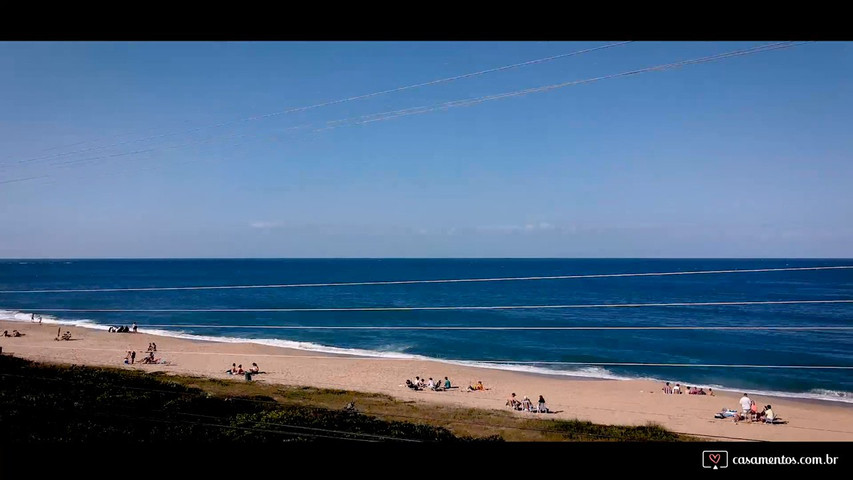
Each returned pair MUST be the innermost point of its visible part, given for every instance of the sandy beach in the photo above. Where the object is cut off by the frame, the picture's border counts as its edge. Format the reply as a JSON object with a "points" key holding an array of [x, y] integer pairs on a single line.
{"points": [[623, 402]]}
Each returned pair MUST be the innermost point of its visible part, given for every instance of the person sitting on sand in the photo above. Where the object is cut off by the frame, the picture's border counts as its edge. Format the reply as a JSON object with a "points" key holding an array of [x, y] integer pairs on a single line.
{"points": [[542, 407], [412, 385], [431, 384], [693, 391], [66, 335], [232, 370], [127, 358], [16, 333], [6, 333], [513, 402], [701, 392], [676, 390], [478, 387], [526, 404], [711, 392], [239, 369], [446, 383], [149, 359], [254, 369], [768, 414], [667, 389], [153, 347]]}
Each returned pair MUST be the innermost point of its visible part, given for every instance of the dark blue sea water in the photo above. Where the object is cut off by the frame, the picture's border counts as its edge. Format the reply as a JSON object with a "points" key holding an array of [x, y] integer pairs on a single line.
{"points": [[648, 346]]}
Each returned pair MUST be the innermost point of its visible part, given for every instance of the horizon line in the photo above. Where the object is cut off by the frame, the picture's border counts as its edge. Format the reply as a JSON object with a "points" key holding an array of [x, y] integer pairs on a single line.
{"points": [[423, 258]]}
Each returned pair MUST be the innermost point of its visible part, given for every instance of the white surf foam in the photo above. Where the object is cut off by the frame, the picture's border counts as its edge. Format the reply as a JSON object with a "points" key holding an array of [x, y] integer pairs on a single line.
{"points": [[586, 372]]}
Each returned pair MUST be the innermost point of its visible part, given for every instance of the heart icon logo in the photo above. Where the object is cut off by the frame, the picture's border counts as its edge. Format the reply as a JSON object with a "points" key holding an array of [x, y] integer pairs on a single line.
{"points": [[714, 457]]}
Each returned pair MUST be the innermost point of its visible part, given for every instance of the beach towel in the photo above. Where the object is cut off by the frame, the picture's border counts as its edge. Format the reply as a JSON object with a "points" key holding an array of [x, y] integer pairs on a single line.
{"points": [[729, 413]]}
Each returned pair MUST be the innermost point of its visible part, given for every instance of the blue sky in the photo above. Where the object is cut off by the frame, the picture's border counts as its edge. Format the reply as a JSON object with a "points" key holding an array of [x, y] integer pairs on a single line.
{"points": [[744, 157]]}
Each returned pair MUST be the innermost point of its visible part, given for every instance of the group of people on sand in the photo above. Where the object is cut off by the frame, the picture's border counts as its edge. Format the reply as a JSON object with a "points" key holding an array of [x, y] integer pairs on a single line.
{"points": [[430, 384], [677, 390], [749, 412], [14, 333], [64, 336], [238, 370], [123, 329], [130, 358], [526, 405]]}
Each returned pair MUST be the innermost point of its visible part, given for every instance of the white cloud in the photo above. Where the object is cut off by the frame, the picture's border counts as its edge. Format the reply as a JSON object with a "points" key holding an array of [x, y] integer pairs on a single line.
{"points": [[530, 227], [264, 224]]}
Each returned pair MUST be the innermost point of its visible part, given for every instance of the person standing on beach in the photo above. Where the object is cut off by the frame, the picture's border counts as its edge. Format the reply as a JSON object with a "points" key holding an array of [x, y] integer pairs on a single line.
{"points": [[134, 327], [39, 319], [132, 356], [33, 317], [745, 404]]}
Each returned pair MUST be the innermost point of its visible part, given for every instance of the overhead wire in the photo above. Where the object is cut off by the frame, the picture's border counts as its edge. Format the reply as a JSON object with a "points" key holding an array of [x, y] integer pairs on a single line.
{"points": [[341, 357], [368, 436], [339, 101], [327, 384], [414, 282], [383, 116], [440, 308]]}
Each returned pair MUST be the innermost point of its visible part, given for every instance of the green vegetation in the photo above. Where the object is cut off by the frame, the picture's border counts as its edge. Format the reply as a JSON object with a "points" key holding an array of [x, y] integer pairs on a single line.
{"points": [[42, 402]]}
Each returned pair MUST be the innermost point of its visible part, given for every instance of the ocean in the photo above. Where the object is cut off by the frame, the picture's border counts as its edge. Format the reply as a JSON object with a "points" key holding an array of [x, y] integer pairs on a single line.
{"points": [[524, 350]]}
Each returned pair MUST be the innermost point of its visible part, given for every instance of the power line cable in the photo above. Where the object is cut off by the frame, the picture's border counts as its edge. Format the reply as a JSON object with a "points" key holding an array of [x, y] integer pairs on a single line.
{"points": [[511, 328], [441, 308], [339, 101], [370, 436], [414, 282], [454, 420], [332, 384], [481, 362], [468, 102]]}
